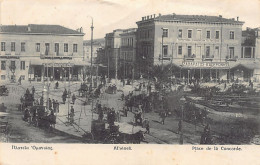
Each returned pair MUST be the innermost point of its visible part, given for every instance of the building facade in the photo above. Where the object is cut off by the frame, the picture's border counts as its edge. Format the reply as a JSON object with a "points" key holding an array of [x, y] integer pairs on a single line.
{"points": [[97, 44], [127, 54], [34, 52], [201, 47]]}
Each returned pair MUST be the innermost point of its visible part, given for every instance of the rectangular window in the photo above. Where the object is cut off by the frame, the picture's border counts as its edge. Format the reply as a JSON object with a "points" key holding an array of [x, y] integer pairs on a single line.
{"points": [[23, 47], [66, 48], [180, 50], [165, 50], [165, 32], [12, 46], [38, 47], [217, 34], [13, 65], [2, 46], [216, 53], [56, 48], [189, 33], [248, 52], [231, 52], [232, 35], [75, 48], [198, 35], [208, 34], [2, 77], [207, 51], [3, 65], [180, 33], [189, 51], [22, 65], [47, 48]]}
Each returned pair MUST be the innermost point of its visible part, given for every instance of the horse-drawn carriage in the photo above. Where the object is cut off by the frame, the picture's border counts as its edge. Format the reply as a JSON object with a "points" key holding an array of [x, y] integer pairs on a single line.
{"points": [[112, 135], [3, 91], [39, 116], [83, 90]]}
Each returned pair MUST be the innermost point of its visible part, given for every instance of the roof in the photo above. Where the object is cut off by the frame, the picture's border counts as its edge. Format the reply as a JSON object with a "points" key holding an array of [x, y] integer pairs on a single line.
{"points": [[195, 18], [38, 29], [248, 65]]}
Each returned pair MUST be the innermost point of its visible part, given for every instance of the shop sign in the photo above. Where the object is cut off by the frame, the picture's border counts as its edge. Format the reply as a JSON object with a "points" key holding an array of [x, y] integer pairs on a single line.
{"points": [[58, 64], [193, 64]]}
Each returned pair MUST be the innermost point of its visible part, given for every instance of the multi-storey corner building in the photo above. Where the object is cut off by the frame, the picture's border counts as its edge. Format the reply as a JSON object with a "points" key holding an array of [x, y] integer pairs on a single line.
{"points": [[202, 47], [127, 53], [34, 52], [120, 52]]}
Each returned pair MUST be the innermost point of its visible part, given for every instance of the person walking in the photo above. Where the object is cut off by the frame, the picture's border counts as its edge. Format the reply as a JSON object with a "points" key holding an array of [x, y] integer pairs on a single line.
{"points": [[72, 114], [180, 127], [57, 106], [73, 99]]}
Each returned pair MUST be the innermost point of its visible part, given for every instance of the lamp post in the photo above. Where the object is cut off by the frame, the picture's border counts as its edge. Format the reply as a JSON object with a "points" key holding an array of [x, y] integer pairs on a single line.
{"points": [[182, 100]]}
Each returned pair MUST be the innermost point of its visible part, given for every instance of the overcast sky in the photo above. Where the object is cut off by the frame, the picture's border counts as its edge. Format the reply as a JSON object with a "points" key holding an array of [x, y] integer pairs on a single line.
{"points": [[115, 14]]}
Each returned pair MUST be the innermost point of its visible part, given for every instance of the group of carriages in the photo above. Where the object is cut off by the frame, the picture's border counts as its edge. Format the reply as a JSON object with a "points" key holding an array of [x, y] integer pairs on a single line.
{"points": [[36, 115]]}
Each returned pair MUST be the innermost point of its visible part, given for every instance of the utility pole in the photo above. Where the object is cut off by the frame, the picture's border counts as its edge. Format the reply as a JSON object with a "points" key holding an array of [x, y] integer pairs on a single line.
{"points": [[69, 94], [91, 49]]}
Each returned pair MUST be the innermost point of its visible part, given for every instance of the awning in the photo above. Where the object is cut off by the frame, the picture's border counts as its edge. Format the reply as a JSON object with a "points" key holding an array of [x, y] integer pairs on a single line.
{"points": [[248, 65]]}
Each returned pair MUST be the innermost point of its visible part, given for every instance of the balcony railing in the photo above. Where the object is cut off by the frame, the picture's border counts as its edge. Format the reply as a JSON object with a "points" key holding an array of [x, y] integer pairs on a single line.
{"points": [[190, 57], [231, 58], [54, 56], [207, 58]]}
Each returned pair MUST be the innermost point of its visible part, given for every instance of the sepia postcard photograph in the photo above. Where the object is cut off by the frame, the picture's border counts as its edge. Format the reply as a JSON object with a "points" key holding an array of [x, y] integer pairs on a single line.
{"points": [[120, 75]]}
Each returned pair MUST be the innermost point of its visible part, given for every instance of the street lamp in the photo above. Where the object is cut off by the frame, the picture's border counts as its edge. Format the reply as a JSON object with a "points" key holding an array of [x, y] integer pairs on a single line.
{"points": [[182, 100]]}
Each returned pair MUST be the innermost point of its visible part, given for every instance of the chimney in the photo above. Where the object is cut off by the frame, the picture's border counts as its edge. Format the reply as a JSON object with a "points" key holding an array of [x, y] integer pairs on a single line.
{"points": [[142, 18], [147, 17], [29, 28], [160, 15], [220, 16], [237, 18], [151, 16], [154, 16], [81, 30]]}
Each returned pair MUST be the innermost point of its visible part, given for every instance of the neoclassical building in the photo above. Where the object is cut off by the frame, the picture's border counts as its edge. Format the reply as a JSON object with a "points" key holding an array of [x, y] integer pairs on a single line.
{"points": [[34, 52], [199, 46]]}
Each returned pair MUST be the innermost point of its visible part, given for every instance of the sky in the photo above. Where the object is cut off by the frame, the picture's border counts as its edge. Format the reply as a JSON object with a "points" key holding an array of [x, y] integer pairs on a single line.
{"points": [[119, 14]]}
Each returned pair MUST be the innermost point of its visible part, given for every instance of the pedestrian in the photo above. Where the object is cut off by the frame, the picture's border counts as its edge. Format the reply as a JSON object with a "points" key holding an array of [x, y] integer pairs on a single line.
{"points": [[64, 98], [41, 100], [57, 85], [33, 90], [50, 103], [163, 116], [20, 81], [54, 105], [57, 106], [147, 127], [73, 99], [72, 114], [180, 127]]}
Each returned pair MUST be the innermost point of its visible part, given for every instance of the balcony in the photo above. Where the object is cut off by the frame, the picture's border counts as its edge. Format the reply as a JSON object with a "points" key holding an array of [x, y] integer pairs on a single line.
{"points": [[9, 55], [52, 56], [231, 58], [207, 58], [189, 57]]}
